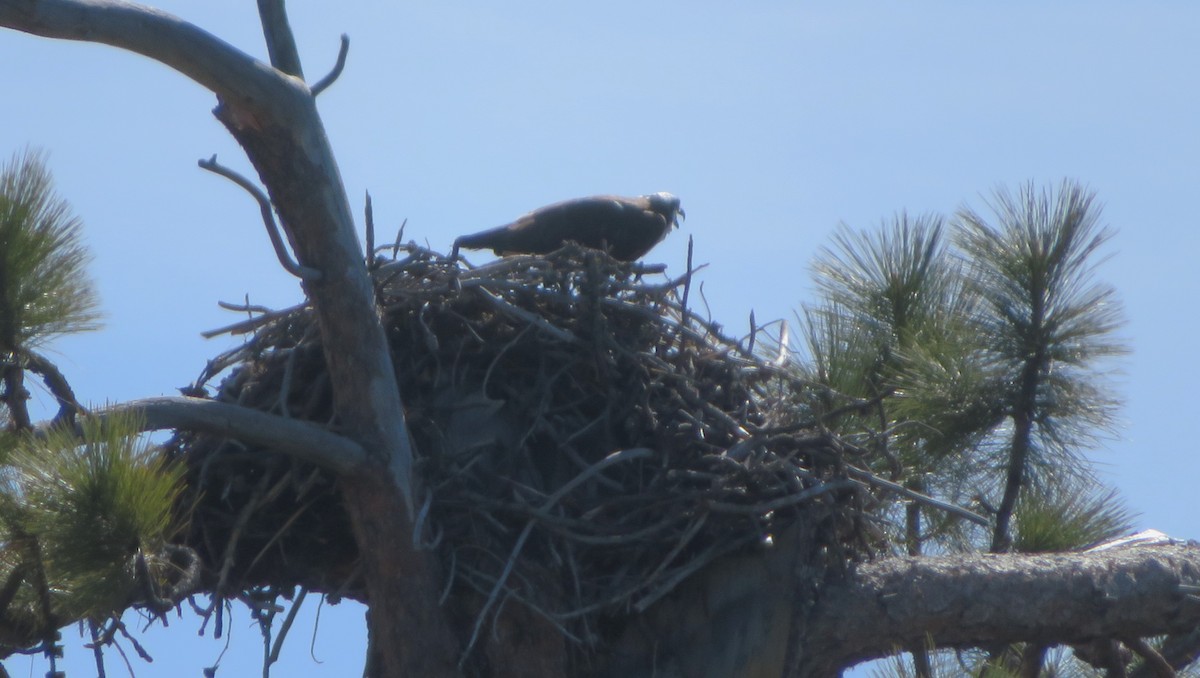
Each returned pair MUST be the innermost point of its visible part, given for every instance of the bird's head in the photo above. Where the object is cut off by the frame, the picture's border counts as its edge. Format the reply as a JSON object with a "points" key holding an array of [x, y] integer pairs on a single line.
{"points": [[668, 206]]}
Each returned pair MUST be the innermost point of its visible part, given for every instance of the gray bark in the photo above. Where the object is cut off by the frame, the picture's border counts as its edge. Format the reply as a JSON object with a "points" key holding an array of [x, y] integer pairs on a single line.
{"points": [[974, 600], [273, 116]]}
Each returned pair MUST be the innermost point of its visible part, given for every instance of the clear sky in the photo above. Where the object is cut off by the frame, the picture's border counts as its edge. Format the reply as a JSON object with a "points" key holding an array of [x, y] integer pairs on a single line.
{"points": [[773, 121]]}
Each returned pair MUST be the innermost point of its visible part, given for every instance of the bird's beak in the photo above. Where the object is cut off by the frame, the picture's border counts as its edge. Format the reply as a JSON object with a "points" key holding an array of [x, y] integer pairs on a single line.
{"points": [[679, 216]]}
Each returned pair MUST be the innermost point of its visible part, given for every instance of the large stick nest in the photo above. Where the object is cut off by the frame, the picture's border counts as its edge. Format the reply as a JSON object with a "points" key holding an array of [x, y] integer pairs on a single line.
{"points": [[585, 442]]}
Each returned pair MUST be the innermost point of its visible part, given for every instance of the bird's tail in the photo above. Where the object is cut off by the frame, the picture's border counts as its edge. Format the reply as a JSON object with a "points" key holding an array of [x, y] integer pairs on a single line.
{"points": [[479, 241]]}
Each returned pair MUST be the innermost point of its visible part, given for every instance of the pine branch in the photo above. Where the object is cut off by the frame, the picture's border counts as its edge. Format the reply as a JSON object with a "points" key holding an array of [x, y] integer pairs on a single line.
{"points": [[1065, 598]]}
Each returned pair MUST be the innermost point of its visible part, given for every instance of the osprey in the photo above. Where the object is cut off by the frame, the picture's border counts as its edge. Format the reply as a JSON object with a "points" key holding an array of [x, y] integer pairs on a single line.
{"points": [[626, 228]]}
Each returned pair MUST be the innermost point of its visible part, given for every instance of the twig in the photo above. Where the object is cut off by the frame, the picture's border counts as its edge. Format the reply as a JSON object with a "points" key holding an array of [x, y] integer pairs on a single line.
{"points": [[954, 509], [323, 84], [369, 225], [857, 405], [97, 651], [287, 625], [534, 320], [762, 508], [133, 641], [753, 334], [279, 534], [686, 539], [1154, 661], [281, 44], [614, 458], [244, 307], [235, 535], [782, 358], [499, 585], [399, 237], [687, 289], [253, 324], [268, 216], [694, 565]]}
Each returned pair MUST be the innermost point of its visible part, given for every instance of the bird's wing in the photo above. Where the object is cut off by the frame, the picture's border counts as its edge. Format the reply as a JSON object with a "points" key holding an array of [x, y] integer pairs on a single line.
{"points": [[575, 209]]}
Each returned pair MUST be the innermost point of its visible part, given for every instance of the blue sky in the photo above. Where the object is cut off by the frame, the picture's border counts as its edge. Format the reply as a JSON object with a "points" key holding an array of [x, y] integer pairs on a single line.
{"points": [[772, 121]]}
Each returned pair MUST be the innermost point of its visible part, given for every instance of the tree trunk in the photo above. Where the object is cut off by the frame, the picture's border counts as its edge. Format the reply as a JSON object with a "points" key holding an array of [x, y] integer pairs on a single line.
{"points": [[410, 635], [274, 117]]}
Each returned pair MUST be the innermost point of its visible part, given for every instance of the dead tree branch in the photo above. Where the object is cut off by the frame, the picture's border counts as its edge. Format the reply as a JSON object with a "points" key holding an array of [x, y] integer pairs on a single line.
{"points": [[268, 217], [273, 116], [281, 43], [332, 76], [973, 600], [301, 439]]}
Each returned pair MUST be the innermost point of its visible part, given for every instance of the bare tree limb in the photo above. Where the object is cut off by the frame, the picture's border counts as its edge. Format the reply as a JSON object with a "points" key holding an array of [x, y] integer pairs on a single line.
{"points": [[58, 385], [972, 600], [281, 44], [237, 78], [268, 217], [332, 76], [953, 509], [301, 439], [273, 116]]}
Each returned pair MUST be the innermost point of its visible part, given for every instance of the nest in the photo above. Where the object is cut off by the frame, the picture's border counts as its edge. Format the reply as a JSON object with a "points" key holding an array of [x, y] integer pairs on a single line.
{"points": [[586, 442]]}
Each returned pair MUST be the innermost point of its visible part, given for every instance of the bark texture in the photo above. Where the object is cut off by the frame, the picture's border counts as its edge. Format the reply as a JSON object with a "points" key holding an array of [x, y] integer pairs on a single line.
{"points": [[975, 600]]}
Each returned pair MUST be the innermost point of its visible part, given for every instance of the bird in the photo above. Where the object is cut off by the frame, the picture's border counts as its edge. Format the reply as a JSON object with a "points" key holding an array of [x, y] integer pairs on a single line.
{"points": [[627, 228]]}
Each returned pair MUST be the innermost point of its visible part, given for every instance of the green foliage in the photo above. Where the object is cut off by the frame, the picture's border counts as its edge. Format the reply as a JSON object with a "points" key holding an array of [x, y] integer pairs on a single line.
{"points": [[891, 309], [44, 290], [989, 345], [99, 508], [1041, 318], [882, 293], [1069, 516], [892, 279]]}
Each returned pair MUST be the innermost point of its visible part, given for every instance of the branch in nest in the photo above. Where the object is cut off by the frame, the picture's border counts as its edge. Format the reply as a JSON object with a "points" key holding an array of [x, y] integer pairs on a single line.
{"points": [[872, 479], [253, 324]]}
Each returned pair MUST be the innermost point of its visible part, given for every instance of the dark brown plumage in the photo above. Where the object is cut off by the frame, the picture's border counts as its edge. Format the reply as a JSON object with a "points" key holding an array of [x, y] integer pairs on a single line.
{"points": [[626, 227]]}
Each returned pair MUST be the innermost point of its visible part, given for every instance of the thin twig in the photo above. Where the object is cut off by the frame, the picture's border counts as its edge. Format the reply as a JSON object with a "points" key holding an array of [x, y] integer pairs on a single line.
{"points": [[687, 289], [762, 508], [753, 334], [287, 625], [369, 225], [268, 216], [254, 324], [324, 83], [534, 320], [499, 585], [97, 650], [954, 509]]}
